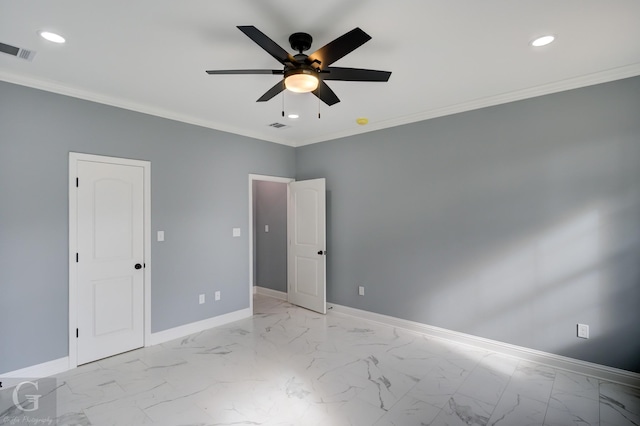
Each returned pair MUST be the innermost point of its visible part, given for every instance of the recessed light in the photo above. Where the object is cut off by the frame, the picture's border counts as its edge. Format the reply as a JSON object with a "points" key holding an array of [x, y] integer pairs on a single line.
{"points": [[53, 37], [542, 41], [362, 121], [293, 116]]}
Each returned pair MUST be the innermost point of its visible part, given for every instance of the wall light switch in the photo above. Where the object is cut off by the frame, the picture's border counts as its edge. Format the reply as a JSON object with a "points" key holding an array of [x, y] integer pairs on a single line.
{"points": [[266, 228], [236, 232], [361, 290], [160, 235], [201, 299], [583, 331], [217, 295]]}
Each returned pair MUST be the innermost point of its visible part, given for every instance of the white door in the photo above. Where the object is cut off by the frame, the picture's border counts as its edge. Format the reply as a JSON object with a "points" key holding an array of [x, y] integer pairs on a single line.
{"points": [[110, 259], [307, 245]]}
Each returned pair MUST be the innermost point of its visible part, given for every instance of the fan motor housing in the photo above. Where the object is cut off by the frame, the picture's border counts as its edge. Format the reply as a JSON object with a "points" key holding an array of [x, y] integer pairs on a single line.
{"points": [[300, 41], [300, 69]]}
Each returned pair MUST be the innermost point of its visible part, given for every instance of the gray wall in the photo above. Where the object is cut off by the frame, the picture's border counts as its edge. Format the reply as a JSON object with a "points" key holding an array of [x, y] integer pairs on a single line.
{"points": [[199, 182], [513, 223], [270, 208]]}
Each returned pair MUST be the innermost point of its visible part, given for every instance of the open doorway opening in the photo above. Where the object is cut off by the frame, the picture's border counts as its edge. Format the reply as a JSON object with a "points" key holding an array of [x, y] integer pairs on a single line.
{"points": [[268, 205]]}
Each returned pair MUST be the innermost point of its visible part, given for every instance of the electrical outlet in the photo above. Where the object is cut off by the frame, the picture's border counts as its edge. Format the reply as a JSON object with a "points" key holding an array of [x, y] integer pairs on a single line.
{"points": [[217, 295], [361, 290], [583, 331], [201, 299]]}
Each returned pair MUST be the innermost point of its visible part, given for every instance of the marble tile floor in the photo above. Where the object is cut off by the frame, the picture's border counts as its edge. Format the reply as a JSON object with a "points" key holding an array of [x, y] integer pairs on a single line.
{"points": [[290, 366]]}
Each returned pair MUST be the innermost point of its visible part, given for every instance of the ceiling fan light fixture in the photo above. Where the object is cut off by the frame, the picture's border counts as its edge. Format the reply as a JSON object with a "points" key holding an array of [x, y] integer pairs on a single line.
{"points": [[301, 81]]}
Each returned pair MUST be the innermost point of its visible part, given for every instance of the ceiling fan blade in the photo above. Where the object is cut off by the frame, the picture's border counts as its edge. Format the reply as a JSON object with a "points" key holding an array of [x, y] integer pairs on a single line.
{"points": [[354, 74], [267, 44], [279, 87], [339, 47], [325, 94], [270, 72]]}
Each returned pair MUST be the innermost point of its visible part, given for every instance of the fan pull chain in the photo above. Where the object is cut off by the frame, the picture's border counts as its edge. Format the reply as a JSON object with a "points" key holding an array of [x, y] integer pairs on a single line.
{"points": [[283, 103], [318, 102]]}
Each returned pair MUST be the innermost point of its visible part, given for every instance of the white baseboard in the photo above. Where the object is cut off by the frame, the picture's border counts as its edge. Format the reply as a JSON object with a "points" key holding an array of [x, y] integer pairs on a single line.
{"points": [[61, 365], [557, 361], [49, 368], [271, 293], [198, 326]]}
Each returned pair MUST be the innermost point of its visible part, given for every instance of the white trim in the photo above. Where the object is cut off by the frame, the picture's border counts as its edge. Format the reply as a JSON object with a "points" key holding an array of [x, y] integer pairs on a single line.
{"points": [[101, 98], [557, 361], [607, 373], [147, 253], [517, 95], [73, 278], [60, 365], [49, 368], [281, 295], [544, 89], [198, 326], [253, 177], [74, 157]]}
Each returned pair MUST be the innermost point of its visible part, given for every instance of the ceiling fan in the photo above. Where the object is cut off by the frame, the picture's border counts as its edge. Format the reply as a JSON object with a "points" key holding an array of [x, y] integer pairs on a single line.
{"points": [[308, 73]]}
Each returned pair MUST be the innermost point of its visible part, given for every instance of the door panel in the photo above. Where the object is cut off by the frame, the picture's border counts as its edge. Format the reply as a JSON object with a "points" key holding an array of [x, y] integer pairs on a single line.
{"points": [[307, 276], [113, 204], [307, 259], [110, 242], [113, 305]]}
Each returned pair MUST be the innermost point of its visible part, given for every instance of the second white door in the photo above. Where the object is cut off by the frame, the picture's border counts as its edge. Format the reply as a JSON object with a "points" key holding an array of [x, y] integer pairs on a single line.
{"points": [[307, 245]]}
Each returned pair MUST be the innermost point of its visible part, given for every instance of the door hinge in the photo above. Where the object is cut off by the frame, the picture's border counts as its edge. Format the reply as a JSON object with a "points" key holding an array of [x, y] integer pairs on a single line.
{"points": [[77, 333], [77, 182], [77, 257]]}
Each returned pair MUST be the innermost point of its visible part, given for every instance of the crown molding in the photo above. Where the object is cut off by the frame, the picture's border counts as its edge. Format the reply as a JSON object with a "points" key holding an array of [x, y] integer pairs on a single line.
{"points": [[545, 89], [55, 87], [532, 92]]}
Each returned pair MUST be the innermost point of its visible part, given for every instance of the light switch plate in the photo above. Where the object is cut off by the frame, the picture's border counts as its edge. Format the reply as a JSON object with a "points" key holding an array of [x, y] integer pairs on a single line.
{"points": [[201, 299], [266, 228], [160, 235], [217, 295], [361, 290], [236, 232], [583, 331]]}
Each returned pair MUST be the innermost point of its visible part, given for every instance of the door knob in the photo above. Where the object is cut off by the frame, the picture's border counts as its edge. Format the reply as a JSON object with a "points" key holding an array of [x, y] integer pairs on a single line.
{"points": [[322, 252], [138, 266]]}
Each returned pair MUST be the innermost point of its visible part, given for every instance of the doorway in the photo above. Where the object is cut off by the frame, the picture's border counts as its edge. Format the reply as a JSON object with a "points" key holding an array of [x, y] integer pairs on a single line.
{"points": [[305, 248], [268, 203]]}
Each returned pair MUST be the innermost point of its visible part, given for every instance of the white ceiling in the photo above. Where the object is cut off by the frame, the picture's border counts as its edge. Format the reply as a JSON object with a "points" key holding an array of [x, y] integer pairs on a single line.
{"points": [[446, 56]]}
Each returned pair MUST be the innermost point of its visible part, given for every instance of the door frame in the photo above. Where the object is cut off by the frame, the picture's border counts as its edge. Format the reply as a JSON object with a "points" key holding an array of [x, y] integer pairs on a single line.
{"points": [[74, 157], [252, 178]]}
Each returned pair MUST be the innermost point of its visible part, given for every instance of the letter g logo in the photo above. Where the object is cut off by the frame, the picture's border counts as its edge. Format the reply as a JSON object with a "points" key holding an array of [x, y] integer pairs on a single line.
{"points": [[29, 398]]}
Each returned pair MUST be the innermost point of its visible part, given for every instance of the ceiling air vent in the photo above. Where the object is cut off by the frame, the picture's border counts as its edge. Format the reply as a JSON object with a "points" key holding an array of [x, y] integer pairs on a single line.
{"points": [[277, 125], [17, 52]]}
